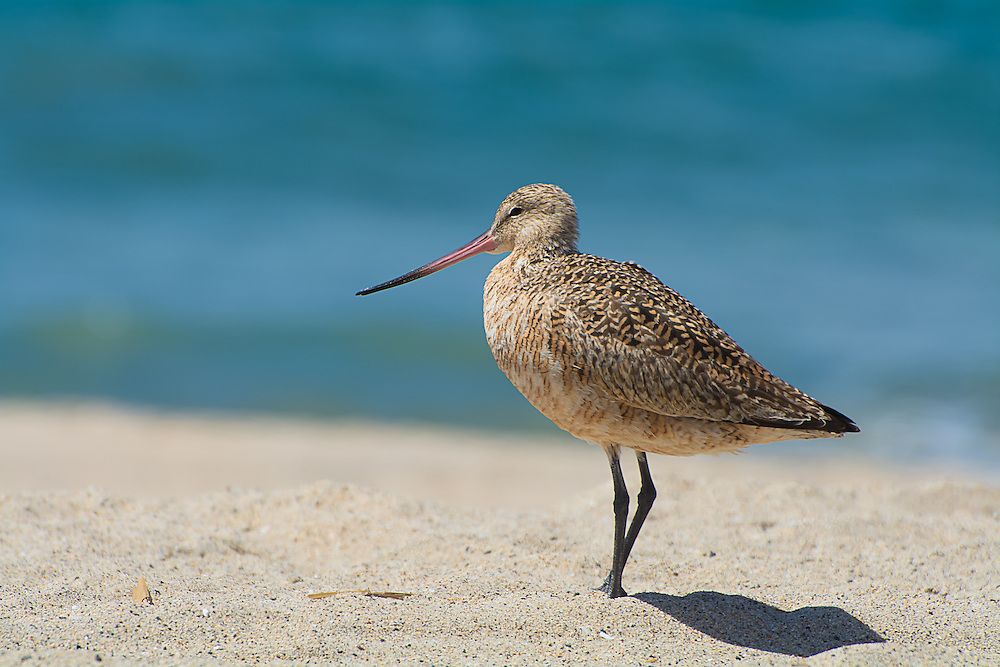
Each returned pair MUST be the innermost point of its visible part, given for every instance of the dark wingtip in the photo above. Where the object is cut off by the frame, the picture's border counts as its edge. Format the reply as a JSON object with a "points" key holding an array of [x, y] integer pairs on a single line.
{"points": [[836, 422], [839, 422]]}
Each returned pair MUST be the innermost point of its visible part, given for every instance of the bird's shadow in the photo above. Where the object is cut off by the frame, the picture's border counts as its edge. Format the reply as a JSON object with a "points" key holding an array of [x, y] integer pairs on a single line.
{"points": [[742, 621]]}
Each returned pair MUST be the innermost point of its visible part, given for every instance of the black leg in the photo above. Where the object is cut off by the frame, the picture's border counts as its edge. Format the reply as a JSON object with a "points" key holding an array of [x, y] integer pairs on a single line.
{"points": [[647, 494], [613, 585]]}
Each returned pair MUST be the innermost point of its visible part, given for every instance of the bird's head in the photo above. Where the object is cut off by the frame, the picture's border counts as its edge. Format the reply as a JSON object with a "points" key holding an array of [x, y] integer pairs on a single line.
{"points": [[538, 217], [535, 216]]}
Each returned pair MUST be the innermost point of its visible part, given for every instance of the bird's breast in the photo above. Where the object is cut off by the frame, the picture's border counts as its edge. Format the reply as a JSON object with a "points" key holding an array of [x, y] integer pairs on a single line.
{"points": [[518, 322]]}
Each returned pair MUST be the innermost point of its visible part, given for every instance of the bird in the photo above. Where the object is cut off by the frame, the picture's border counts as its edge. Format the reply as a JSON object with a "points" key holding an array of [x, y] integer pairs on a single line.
{"points": [[615, 357]]}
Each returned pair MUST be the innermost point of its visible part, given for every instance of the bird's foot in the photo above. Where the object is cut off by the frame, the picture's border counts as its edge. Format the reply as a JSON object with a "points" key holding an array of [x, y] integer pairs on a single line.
{"points": [[612, 593]]}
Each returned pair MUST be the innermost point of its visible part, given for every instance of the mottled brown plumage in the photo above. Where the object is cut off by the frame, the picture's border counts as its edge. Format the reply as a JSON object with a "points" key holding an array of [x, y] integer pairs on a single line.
{"points": [[612, 355], [615, 357]]}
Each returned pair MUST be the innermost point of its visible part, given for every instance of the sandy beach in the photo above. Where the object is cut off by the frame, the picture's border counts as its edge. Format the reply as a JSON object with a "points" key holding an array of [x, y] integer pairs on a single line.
{"points": [[498, 540]]}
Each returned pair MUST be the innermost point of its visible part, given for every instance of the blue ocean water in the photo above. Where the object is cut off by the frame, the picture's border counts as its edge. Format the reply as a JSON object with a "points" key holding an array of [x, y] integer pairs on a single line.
{"points": [[190, 194]]}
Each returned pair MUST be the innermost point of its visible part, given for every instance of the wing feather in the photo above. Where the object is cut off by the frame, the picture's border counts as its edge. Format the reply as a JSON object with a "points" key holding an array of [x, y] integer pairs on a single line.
{"points": [[651, 348]]}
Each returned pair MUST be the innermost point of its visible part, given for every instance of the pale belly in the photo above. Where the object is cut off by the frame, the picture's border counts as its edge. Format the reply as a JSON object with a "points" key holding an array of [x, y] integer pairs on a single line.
{"points": [[518, 330]]}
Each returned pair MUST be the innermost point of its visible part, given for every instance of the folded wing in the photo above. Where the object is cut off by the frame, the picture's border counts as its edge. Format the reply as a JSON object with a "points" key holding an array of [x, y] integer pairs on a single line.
{"points": [[644, 344]]}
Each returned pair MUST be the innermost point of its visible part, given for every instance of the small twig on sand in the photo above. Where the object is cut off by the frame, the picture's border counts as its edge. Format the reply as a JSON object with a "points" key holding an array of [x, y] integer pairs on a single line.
{"points": [[363, 591]]}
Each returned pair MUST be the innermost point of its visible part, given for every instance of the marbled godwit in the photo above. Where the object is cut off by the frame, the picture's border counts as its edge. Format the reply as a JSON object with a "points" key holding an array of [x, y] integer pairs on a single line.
{"points": [[612, 355]]}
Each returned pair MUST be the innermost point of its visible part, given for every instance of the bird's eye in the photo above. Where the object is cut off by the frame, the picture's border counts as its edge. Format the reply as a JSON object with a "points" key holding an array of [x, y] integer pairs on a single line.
{"points": [[517, 210]]}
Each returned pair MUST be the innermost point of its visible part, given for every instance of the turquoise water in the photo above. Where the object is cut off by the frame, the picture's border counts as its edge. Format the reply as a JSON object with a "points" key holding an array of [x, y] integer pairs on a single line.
{"points": [[192, 192]]}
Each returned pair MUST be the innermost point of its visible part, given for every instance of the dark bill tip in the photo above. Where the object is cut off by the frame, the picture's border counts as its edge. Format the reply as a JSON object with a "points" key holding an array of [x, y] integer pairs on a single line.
{"points": [[482, 243]]}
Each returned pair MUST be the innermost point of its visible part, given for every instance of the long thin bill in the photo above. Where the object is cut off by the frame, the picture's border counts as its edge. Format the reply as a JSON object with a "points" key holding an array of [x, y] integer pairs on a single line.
{"points": [[480, 244]]}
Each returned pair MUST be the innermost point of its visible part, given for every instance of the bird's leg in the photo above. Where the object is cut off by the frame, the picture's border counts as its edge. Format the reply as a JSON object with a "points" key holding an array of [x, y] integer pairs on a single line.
{"points": [[647, 494], [613, 585]]}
